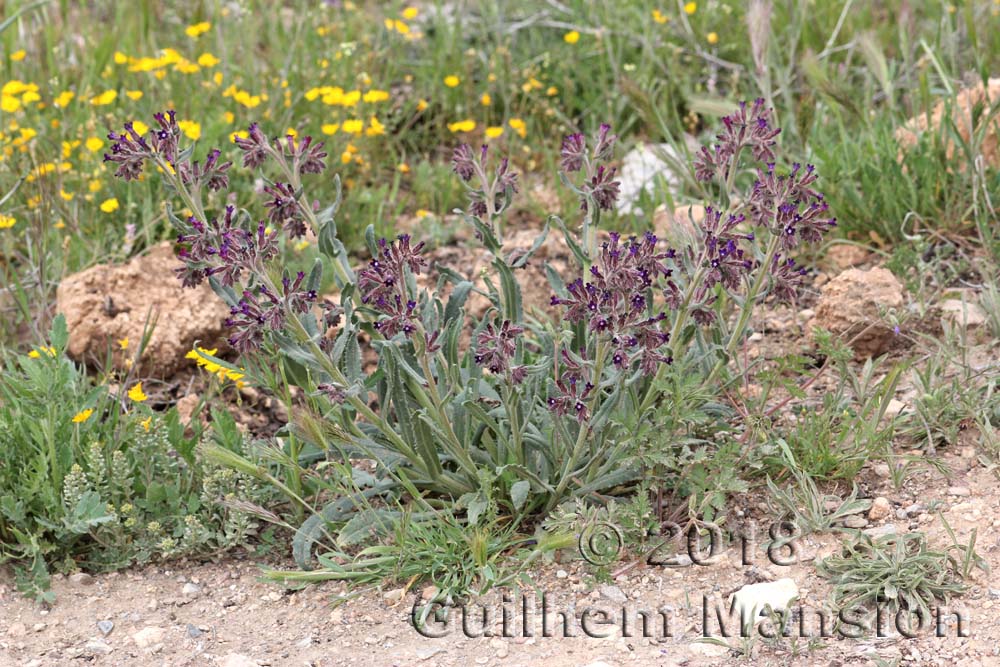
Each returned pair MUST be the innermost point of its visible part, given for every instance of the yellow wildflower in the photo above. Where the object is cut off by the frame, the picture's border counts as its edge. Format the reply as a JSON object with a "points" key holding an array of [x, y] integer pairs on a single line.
{"points": [[452, 81], [690, 8], [94, 144], [421, 105], [196, 30], [410, 13], [190, 128], [64, 98], [486, 100], [467, 125], [494, 131], [146, 423], [6, 221], [660, 17], [375, 96], [403, 168], [375, 128], [571, 37], [422, 213], [109, 205], [518, 126], [36, 353], [136, 393], [123, 343], [330, 128], [207, 60], [18, 55], [352, 126], [120, 58], [82, 416], [712, 38], [134, 94], [107, 97], [140, 127]]}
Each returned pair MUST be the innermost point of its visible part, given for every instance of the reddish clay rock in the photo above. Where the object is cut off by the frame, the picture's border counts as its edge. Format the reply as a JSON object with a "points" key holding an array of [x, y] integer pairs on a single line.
{"points": [[851, 307], [108, 302], [970, 103]]}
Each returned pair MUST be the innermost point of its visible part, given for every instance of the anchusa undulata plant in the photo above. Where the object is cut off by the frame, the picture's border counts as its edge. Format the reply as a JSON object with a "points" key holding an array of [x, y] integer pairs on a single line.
{"points": [[499, 409]]}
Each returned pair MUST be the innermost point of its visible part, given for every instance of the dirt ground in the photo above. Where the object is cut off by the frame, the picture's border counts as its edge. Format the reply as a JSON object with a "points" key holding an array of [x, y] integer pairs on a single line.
{"points": [[223, 614]]}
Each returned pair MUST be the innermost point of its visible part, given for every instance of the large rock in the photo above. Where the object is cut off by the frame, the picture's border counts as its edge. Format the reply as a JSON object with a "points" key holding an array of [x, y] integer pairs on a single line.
{"points": [[971, 104], [107, 303], [851, 306], [642, 167]]}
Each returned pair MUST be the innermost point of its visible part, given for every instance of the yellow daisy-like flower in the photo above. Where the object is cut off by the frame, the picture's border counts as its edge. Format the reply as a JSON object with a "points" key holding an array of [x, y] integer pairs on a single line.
{"points": [[105, 98], [410, 13], [660, 17], [422, 105], [452, 81], [713, 38], [518, 126], [486, 100], [208, 60], [467, 125], [196, 30], [375, 128], [146, 423], [123, 343], [140, 127], [109, 205], [403, 168], [94, 144], [690, 8], [571, 37], [190, 128], [136, 393], [82, 416], [7, 221], [37, 353], [18, 55], [330, 128], [494, 131], [63, 99], [134, 95]]}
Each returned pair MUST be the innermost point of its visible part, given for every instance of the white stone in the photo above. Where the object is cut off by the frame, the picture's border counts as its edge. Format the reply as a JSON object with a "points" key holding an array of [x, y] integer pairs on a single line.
{"points": [[149, 636], [640, 171], [752, 598]]}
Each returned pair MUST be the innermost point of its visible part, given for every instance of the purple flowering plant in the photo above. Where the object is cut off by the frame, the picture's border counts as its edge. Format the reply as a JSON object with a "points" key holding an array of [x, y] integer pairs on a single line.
{"points": [[500, 410]]}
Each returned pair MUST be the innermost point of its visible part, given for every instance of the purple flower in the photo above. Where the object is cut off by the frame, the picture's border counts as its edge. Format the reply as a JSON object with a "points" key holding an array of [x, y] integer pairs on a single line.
{"points": [[574, 149], [742, 129], [284, 209], [255, 147], [495, 347], [463, 162], [602, 188], [305, 154], [382, 286], [128, 151]]}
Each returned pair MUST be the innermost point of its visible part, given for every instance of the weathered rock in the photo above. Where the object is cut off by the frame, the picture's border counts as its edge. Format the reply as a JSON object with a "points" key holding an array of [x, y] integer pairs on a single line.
{"points": [[963, 114], [641, 168], [108, 303], [845, 256], [237, 660], [613, 593], [753, 598], [81, 579], [149, 636], [851, 306], [105, 627], [880, 509], [962, 313]]}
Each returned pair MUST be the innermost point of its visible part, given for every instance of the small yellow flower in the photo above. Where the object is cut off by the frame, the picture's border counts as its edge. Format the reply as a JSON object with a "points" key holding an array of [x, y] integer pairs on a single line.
{"points": [[140, 127], [134, 95], [330, 128], [146, 423], [467, 125], [712, 38], [7, 221], [66, 196], [18, 55], [486, 100], [120, 58], [94, 185], [207, 60], [422, 213], [136, 393], [494, 131], [123, 343], [63, 99], [571, 37], [352, 126], [190, 128], [94, 144], [82, 416], [375, 128], [196, 30], [660, 17], [403, 168], [690, 8], [109, 205], [36, 353], [552, 91], [410, 13], [105, 98], [452, 81], [518, 126], [421, 105]]}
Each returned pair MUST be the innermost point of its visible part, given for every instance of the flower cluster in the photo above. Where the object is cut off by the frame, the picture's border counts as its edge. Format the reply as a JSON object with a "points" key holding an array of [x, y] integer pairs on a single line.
{"points": [[383, 288], [614, 302], [488, 197], [495, 348], [598, 182], [741, 130], [263, 309], [574, 388], [224, 248]]}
